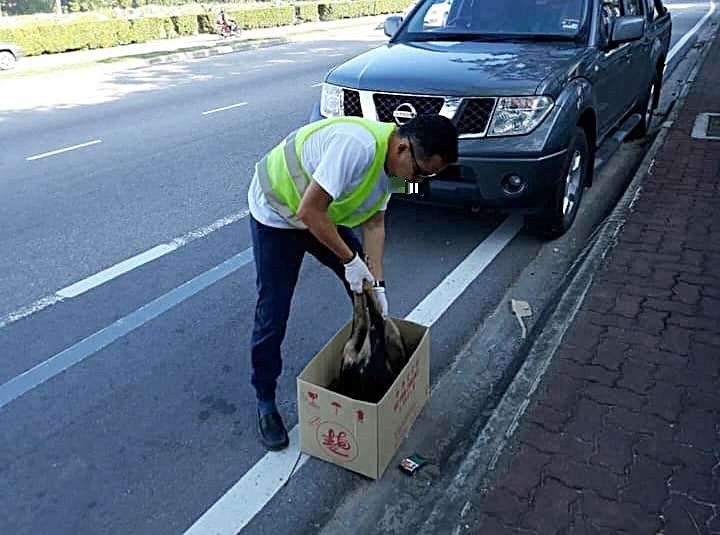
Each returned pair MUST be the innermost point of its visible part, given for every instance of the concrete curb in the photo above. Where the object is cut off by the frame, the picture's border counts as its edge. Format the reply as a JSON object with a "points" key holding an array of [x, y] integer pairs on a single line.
{"points": [[475, 471], [213, 51]]}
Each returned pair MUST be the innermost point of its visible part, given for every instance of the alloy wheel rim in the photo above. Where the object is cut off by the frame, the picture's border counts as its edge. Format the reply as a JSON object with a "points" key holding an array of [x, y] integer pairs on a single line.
{"points": [[572, 184]]}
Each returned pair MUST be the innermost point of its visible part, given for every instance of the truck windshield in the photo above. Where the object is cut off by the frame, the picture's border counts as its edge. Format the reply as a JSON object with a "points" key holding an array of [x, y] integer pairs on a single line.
{"points": [[496, 20]]}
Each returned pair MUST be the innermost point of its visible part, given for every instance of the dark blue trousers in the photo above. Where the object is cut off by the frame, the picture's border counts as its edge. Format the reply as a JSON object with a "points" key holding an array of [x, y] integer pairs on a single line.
{"points": [[278, 255]]}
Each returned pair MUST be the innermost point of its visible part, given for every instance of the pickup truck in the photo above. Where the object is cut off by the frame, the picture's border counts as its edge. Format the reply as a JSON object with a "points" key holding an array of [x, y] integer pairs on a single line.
{"points": [[534, 87]]}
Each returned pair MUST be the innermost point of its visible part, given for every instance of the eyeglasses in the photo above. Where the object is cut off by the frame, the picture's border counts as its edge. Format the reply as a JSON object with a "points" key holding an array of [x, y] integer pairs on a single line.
{"points": [[417, 170]]}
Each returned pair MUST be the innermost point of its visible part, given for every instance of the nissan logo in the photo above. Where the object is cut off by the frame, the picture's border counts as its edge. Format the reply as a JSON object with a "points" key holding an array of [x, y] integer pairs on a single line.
{"points": [[404, 112]]}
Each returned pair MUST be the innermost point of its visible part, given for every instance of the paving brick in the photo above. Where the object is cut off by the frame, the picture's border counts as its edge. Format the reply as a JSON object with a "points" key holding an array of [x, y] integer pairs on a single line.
{"points": [[586, 420], [683, 516], [641, 422], [693, 322], [548, 418], [664, 400], [663, 305], [634, 337], [704, 400], [610, 353], [583, 335], [636, 375], [574, 353], [614, 396], [710, 307], [619, 515], [588, 372], [699, 428], [490, 525], [709, 338], [554, 443], [524, 470], [686, 293], [581, 476], [551, 510], [705, 358], [652, 321], [686, 377], [674, 454], [676, 340], [657, 357], [604, 320], [504, 505], [614, 449], [561, 393], [697, 486], [647, 484]]}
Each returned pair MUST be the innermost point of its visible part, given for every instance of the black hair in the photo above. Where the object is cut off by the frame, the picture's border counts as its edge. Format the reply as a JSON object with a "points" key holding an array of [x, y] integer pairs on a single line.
{"points": [[432, 134]]}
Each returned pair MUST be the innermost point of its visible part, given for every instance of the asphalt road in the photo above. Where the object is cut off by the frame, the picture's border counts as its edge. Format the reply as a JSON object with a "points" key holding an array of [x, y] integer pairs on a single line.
{"points": [[148, 427]]}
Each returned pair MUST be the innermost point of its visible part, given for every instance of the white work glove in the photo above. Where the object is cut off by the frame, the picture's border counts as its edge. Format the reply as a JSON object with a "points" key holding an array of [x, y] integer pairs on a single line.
{"points": [[356, 272], [381, 297]]}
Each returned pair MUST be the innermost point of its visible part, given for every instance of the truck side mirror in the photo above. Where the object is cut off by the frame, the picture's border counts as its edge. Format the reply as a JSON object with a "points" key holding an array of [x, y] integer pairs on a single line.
{"points": [[392, 24], [627, 29]]}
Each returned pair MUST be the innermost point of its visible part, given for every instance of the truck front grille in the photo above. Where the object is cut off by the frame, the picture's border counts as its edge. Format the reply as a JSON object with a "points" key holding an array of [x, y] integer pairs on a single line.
{"points": [[472, 115], [351, 103], [386, 104], [475, 115]]}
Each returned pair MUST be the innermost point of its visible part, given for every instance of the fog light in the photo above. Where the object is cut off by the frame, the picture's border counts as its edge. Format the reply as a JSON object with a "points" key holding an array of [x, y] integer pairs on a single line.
{"points": [[513, 184]]}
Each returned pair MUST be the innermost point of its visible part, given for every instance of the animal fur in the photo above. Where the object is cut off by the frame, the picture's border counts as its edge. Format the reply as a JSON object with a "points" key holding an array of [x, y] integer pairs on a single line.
{"points": [[374, 354]]}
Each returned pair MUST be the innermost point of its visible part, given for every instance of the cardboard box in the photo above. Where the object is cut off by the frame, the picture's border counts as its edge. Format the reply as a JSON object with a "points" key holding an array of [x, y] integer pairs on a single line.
{"points": [[357, 435]]}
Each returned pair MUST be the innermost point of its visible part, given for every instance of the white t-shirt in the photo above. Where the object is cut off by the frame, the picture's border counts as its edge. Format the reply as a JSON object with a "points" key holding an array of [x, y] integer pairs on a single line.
{"points": [[337, 157]]}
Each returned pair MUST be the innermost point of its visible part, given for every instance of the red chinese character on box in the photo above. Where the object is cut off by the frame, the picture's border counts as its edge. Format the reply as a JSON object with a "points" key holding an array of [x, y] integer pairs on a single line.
{"points": [[360, 415], [336, 439], [336, 443], [337, 406], [312, 396]]}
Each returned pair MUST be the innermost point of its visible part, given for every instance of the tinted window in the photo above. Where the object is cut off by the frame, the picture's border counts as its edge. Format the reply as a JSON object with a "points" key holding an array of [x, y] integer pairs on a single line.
{"points": [[563, 18]]}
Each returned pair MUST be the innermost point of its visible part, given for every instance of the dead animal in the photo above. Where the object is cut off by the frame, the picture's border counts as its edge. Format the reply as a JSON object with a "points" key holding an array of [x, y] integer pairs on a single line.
{"points": [[374, 354]]}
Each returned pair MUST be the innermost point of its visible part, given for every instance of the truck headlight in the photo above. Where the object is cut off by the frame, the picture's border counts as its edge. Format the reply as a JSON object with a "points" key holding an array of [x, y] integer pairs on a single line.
{"points": [[331, 101], [518, 115]]}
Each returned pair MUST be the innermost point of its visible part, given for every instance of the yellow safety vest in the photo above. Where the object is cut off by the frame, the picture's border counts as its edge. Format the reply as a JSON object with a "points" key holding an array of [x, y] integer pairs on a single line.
{"points": [[284, 180]]}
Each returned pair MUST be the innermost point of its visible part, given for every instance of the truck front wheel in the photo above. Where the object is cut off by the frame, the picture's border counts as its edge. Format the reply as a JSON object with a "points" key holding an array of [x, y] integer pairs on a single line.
{"points": [[564, 201]]}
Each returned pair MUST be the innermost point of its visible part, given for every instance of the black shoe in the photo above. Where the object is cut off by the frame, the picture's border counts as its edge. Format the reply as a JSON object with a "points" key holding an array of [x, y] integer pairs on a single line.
{"points": [[272, 431]]}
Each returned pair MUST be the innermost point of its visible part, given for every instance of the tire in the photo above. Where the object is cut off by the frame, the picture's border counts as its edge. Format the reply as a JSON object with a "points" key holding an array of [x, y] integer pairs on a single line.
{"points": [[563, 201], [647, 109], [7, 60]]}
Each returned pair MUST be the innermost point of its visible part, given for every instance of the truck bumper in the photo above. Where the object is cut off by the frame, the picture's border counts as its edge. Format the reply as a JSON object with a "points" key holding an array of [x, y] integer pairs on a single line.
{"points": [[505, 182], [482, 180]]}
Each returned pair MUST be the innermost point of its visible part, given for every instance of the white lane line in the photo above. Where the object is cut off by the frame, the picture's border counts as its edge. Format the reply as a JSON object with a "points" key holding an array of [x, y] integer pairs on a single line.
{"points": [[317, 85], [118, 269], [246, 498], [685, 38], [59, 151], [46, 370], [256, 488], [123, 267], [225, 108]]}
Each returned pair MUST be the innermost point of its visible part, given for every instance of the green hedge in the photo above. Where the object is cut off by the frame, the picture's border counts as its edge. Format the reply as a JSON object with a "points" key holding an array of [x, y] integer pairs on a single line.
{"points": [[263, 17], [48, 38], [307, 12]]}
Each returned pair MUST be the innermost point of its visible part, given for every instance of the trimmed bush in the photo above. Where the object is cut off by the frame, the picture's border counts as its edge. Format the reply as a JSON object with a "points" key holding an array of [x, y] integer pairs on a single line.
{"points": [[263, 17], [307, 12]]}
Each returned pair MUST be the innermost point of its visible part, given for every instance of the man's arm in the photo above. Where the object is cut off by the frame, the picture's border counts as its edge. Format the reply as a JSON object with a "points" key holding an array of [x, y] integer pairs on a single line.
{"points": [[373, 233], [313, 212]]}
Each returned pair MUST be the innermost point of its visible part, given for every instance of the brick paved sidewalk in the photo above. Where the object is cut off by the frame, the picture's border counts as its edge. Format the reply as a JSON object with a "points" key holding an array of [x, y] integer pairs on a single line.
{"points": [[623, 434]]}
